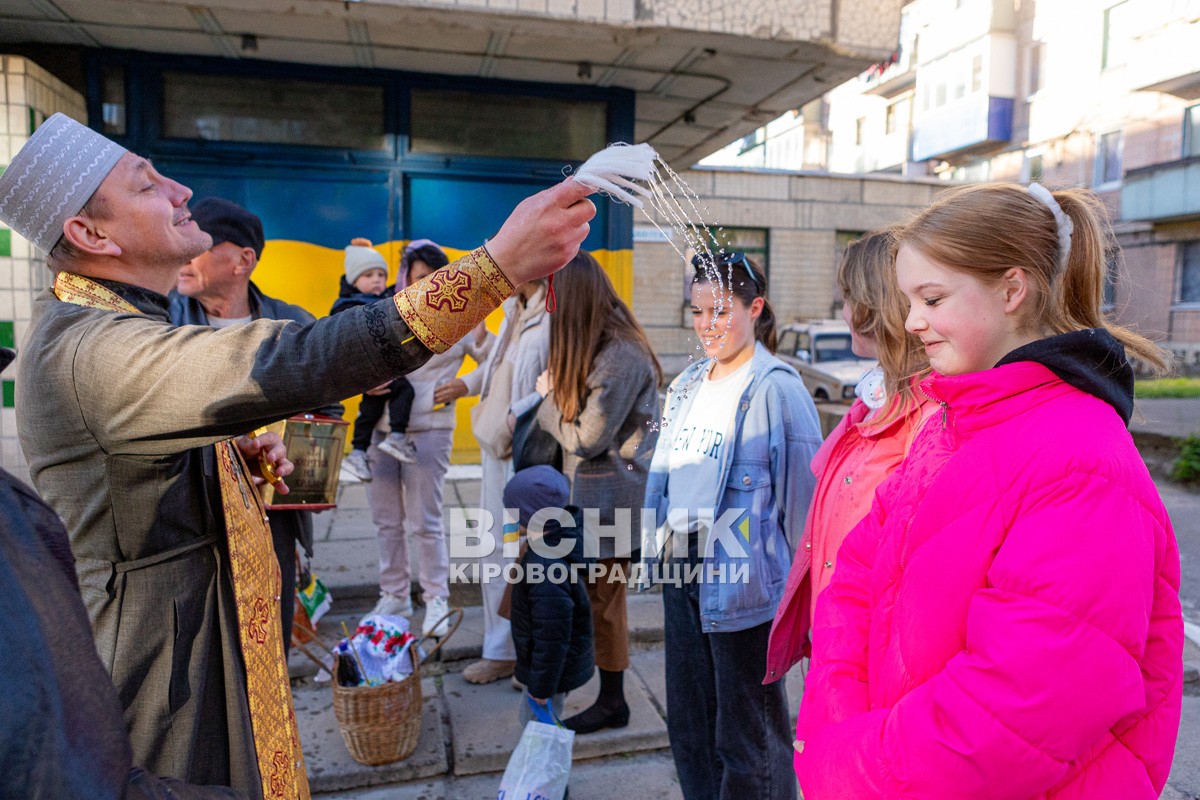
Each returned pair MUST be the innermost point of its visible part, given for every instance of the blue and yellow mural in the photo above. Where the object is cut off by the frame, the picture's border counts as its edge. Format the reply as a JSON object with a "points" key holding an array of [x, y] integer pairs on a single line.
{"points": [[314, 199]]}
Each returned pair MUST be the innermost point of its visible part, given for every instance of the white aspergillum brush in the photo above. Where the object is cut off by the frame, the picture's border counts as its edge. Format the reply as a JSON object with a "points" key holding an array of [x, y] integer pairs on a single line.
{"points": [[616, 170]]}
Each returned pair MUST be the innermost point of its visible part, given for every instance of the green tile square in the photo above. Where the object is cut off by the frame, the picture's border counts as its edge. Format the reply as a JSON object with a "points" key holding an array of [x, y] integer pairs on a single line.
{"points": [[10, 393], [7, 337], [5, 242]]}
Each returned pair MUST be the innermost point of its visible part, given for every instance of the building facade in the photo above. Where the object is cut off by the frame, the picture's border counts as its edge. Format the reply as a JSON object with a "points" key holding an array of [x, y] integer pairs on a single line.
{"points": [[796, 225], [396, 120], [1095, 93]]}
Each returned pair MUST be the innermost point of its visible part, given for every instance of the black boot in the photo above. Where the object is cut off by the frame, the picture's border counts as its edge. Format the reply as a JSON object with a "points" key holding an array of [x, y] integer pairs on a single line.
{"points": [[610, 709]]}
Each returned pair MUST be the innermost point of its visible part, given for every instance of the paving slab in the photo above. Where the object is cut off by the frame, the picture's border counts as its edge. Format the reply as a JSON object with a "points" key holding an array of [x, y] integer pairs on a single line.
{"points": [[330, 766], [484, 724], [467, 641], [646, 729], [653, 778], [348, 567], [649, 665], [645, 612]]}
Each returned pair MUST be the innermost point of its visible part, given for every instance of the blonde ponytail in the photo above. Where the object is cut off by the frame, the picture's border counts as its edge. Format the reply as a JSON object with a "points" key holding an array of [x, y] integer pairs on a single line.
{"points": [[987, 229]]}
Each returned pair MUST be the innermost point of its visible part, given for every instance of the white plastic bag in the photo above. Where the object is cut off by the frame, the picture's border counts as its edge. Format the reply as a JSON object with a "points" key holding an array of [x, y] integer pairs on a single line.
{"points": [[540, 766]]}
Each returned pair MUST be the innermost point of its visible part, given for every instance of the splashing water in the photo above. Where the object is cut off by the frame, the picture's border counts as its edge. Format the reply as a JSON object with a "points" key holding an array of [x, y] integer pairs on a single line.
{"points": [[637, 175]]}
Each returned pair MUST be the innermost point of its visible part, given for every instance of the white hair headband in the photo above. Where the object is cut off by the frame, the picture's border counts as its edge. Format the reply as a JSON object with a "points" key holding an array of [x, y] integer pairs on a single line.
{"points": [[1061, 220]]}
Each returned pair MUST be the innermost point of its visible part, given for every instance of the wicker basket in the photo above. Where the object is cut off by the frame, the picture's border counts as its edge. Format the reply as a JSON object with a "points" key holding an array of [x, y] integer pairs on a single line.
{"points": [[381, 724]]}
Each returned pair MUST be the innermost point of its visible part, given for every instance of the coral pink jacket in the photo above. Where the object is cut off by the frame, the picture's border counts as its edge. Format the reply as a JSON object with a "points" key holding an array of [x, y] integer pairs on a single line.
{"points": [[854, 459], [1006, 621]]}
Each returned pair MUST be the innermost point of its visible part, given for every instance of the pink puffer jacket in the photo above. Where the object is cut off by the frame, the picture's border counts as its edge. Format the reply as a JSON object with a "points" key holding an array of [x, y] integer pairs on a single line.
{"points": [[1006, 622]]}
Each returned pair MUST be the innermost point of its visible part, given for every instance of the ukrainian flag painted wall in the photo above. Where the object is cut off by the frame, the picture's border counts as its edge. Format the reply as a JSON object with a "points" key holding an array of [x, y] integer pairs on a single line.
{"points": [[314, 196], [277, 276]]}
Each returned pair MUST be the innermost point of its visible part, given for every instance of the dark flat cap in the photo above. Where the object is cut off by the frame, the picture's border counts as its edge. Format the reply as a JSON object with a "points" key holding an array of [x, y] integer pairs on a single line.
{"points": [[226, 221]]}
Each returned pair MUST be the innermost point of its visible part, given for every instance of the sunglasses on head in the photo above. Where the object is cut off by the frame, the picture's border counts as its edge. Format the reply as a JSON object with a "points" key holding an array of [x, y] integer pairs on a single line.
{"points": [[725, 260]]}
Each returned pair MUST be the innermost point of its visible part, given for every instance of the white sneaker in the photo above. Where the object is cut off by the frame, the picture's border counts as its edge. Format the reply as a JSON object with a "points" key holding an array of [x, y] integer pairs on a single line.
{"points": [[392, 606], [399, 447], [355, 467], [435, 610]]}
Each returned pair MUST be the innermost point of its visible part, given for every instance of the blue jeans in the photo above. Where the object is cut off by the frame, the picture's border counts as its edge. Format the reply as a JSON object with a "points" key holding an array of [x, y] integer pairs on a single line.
{"points": [[730, 735]]}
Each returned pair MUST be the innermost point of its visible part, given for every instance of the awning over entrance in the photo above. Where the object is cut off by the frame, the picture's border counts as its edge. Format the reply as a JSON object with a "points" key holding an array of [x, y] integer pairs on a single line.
{"points": [[705, 72]]}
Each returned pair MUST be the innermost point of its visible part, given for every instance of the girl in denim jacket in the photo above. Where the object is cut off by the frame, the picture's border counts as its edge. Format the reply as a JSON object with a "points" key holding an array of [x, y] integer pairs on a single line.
{"points": [[729, 485]]}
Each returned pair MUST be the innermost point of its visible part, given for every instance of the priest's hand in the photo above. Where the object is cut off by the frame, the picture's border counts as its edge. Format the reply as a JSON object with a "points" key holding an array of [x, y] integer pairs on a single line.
{"points": [[543, 232], [266, 455]]}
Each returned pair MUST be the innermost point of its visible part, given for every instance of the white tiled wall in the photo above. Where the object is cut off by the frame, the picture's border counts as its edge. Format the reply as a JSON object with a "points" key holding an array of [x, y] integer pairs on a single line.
{"points": [[28, 94]]}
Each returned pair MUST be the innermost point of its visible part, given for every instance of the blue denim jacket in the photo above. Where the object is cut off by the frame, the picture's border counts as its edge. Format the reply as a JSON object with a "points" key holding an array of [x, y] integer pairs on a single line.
{"points": [[765, 479]]}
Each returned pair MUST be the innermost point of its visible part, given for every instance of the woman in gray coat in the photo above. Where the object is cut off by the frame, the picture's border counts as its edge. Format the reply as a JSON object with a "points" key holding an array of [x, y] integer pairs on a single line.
{"points": [[601, 404]]}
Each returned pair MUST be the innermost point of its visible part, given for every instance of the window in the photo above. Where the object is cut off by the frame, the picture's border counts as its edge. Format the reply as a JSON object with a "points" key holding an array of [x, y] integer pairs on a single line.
{"points": [[112, 100], [1189, 272], [751, 241], [1036, 167], [1112, 269], [939, 97], [1191, 131], [241, 108], [512, 126], [889, 118], [751, 141], [977, 73], [1114, 49], [1108, 159], [1035, 68], [754, 242], [859, 125]]}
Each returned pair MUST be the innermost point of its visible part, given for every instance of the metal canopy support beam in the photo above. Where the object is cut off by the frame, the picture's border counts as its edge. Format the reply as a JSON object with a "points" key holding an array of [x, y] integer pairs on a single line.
{"points": [[209, 24]]}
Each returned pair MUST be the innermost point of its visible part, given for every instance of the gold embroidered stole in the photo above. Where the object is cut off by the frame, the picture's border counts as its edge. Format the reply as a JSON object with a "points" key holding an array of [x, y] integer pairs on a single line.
{"points": [[256, 588]]}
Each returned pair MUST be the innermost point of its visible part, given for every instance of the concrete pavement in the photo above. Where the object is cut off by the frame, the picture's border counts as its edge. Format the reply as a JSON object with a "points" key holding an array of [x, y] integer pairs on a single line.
{"points": [[468, 731]]}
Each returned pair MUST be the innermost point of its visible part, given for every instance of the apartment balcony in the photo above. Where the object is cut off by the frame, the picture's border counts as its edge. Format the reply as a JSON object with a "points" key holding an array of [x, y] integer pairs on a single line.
{"points": [[1162, 192], [1165, 52], [893, 81], [971, 125]]}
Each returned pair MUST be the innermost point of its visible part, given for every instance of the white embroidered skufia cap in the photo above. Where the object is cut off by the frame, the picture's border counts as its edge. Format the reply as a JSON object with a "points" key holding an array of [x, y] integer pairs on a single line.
{"points": [[52, 178]]}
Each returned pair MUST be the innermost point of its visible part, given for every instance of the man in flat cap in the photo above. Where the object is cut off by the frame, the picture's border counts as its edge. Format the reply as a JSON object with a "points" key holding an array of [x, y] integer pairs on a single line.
{"points": [[215, 289], [125, 421]]}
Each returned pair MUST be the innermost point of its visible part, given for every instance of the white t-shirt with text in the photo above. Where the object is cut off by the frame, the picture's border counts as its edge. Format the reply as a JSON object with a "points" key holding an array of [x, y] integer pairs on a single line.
{"points": [[698, 448]]}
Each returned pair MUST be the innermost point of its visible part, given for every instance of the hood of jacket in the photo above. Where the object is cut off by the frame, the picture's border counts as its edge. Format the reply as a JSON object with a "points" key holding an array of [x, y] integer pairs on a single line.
{"points": [[1091, 360], [554, 534], [348, 296]]}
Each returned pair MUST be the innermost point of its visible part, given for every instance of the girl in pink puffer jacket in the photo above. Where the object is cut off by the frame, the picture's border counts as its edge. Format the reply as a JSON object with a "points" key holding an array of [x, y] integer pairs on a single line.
{"points": [[1005, 623]]}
